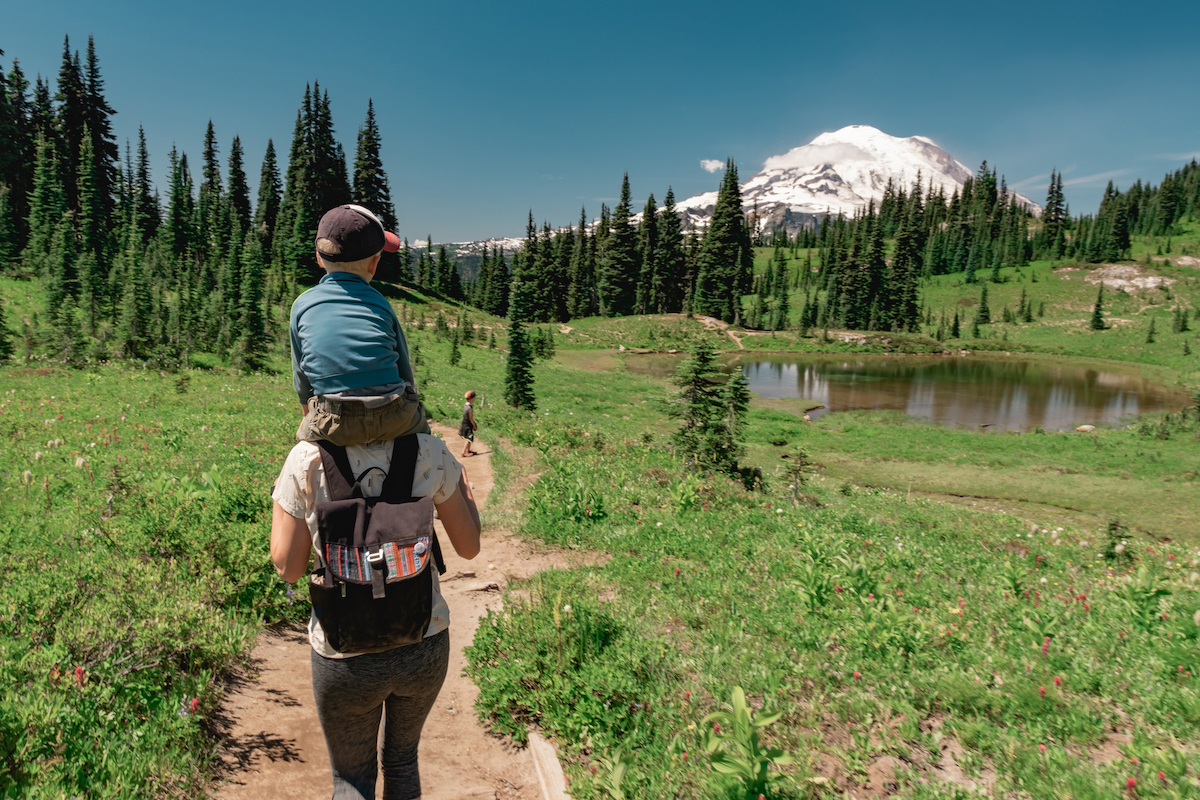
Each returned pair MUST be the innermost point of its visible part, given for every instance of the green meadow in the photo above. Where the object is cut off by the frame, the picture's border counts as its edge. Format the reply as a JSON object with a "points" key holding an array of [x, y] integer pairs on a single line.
{"points": [[929, 611]]}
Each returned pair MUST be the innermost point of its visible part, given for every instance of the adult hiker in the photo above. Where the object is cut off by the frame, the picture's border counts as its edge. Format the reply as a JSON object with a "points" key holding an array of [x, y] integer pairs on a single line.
{"points": [[467, 427], [343, 502]]}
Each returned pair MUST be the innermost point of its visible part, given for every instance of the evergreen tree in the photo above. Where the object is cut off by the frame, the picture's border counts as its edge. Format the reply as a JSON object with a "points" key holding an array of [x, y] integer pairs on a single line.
{"points": [[984, 314], [617, 270], [724, 265], [239, 189], [266, 209], [518, 366], [105, 152], [1150, 332], [72, 119], [144, 200], [670, 260], [370, 187], [710, 413], [46, 210], [6, 334], [581, 292], [208, 201], [647, 256], [252, 344], [956, 329], [1098, 311]]}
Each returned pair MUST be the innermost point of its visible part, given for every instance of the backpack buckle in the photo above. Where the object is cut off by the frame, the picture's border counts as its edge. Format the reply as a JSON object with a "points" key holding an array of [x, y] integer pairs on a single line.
{"points": [[378, 573]]}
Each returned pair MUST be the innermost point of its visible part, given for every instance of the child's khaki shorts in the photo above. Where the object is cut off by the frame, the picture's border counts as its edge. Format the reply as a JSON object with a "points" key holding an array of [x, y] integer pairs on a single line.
{"points": [[348, 422]]}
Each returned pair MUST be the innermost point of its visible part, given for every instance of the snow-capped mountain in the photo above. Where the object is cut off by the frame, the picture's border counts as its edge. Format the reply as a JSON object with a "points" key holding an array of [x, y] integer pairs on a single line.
{"points": [[839, 172]]}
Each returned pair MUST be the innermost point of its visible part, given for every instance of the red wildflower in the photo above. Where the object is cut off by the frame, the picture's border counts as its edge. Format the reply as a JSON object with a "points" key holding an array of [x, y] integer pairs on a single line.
{"points": [[194, 705], [1130, 785], [79, 676], [857, 675], [1057, 681], [1042, 747], [687, 695], [685, 755], [1162, 776], [716, 727], [1041, 691], [677, 572], [1046, 647]]}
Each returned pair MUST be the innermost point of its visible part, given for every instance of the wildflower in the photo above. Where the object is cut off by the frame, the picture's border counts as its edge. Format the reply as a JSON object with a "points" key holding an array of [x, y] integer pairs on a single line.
{"points": [[659, 525], [1046, 647], [80, 463], [27, 478], [194, 705], [1162, 776], [779, 511], [1130, 785], [1041, 691], [567, 608], [1057, 681], [677, 570], [55, 675], [857, 675], [685, 755], [687, 694], [80, 676], [291, 594], [717, 727], [871, 596], [1042, 747]]}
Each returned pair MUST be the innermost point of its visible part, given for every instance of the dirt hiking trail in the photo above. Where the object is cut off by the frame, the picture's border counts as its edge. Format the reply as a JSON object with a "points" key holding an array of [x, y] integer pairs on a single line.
{"points": [[272, 747]]}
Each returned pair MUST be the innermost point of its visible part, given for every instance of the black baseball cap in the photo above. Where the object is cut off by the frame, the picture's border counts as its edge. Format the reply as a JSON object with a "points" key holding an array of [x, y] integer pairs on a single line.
{"points": [[355, 233]]}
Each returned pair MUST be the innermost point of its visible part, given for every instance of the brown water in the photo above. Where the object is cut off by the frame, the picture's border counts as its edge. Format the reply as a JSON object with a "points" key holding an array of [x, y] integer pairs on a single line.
{"points": [[997, 392]]}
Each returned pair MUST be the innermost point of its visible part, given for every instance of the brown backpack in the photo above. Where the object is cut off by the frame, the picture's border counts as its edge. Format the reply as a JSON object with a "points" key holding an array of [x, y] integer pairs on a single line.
{"points": [[372, 589]]}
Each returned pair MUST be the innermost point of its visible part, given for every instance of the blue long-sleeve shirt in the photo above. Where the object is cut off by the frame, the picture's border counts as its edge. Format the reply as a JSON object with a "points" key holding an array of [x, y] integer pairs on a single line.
{"points": [[346, 337]]}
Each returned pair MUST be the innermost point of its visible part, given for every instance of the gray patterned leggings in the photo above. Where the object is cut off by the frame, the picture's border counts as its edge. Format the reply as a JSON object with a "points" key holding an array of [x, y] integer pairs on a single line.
{"points": [[353, 693]]}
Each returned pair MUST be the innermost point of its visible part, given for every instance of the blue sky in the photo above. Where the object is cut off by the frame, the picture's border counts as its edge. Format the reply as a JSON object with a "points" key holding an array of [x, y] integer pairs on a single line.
{"points": [[490, 109]]}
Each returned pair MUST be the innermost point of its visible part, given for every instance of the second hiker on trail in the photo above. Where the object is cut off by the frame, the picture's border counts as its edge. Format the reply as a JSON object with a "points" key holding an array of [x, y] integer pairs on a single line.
{"points": [[467, 428], [349, 356]]}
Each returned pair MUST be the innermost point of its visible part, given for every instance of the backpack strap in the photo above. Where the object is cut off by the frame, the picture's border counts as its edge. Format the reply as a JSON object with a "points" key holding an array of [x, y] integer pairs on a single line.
{"points": [[338, 475], [399, 483]]}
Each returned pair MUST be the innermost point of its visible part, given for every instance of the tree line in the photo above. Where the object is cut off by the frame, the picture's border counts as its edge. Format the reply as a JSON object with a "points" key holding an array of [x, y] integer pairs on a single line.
{"points": [[131, 273]]}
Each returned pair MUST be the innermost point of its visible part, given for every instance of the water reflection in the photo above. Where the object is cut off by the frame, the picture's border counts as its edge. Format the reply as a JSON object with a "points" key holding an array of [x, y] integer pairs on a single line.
{"points": [[1003, 393]]}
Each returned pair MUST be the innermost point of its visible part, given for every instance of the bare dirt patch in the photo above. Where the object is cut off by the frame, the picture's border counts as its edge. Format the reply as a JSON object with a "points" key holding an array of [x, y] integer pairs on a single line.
{"points": [[1126, 277], [271, 742]]}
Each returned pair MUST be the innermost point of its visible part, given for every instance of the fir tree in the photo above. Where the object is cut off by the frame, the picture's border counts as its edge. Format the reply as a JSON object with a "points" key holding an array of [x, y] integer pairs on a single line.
{"points": [[1098, 311], [144, 200], [670, 260], [72, 118], [617, 270], [105, 152], [239, 189], [710, 412], [984, 314], [1150, 332], [253, 345], [518, 366], [724, 265], [647, 249], [6, 336], [46, 210]]}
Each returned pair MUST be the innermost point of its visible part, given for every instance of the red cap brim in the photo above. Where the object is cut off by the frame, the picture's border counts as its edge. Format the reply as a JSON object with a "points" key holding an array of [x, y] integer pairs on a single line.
{"points": [[391, 242]]}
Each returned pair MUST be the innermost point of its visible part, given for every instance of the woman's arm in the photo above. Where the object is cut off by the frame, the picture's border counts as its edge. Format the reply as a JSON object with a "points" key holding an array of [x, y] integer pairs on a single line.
{"points": [[291, 544], [460, 518]]}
